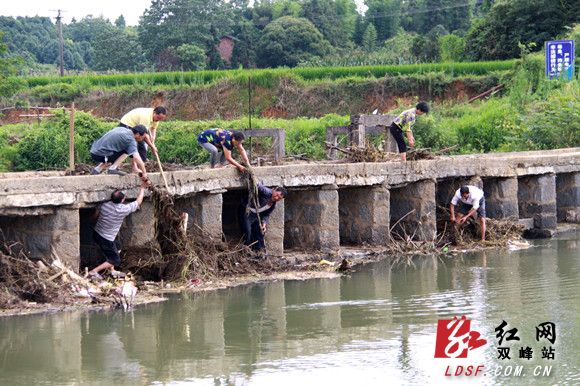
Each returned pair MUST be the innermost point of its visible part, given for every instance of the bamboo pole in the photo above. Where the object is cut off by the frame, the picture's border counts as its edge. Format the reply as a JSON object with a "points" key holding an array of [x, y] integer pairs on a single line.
{"points": [[162, 174], [71, 143]]}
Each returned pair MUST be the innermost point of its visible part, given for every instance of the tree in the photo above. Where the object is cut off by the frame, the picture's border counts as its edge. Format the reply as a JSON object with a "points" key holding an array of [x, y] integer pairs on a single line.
{"points": [[171, 23], [282, 8], [497, 34], [385, 15], [244, 53], [120, 22], [8, 66], [117, 49], [369, 40], [325, 17], [288, 40], [191, 57], [426, 47], [452, 48]]}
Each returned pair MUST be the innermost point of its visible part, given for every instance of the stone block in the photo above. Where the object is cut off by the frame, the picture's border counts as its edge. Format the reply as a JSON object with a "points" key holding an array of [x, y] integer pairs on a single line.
{"points": [[138, 229], [65, 236], [412, 207], [204, 210], [364, 215], [537, 199], [311, 219], [501, 197], [528, 223], [568, 197], [275, 232]]}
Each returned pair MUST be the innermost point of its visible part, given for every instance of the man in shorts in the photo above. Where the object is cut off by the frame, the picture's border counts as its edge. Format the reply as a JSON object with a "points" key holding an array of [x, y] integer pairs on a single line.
{"points": [[110, 217], [471, 200]]}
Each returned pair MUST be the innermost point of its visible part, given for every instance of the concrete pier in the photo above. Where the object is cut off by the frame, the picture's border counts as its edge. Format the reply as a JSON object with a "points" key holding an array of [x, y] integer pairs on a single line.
{"points": [[328, 205], [364, 215], [537, 200], [413, 211], [568, 197], [501, 197], [311, 219]]}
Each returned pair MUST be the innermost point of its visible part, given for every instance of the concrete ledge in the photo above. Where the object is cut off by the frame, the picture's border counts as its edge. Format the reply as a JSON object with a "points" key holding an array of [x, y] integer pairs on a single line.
{"points": [[82, 191]]}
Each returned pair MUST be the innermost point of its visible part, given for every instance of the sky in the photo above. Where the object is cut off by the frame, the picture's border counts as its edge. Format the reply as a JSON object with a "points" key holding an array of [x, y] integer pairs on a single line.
{"points": [[109, 9]]}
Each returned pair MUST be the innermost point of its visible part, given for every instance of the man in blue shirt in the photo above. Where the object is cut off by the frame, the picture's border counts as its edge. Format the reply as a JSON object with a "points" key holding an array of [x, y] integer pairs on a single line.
{"points": [[214, 140], [252, 216], [115, 146]]}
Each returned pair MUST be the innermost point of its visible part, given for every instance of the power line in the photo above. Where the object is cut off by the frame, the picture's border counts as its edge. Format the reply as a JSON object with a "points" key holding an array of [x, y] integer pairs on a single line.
{"points": [[381, 15]]}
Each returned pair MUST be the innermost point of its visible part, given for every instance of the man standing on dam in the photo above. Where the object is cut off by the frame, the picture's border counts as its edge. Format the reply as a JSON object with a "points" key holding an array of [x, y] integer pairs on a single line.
{"points": [[403, 123], [150, 118], [471, 200]]}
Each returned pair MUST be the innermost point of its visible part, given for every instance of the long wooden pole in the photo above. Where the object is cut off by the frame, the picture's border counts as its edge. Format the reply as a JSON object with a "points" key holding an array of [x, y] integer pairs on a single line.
{"points": [[71, 143], [161, 170]]}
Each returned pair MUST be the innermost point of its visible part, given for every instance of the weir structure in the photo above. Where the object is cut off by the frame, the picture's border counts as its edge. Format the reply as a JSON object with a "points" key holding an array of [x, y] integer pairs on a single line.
{"points": [[328, 205]]}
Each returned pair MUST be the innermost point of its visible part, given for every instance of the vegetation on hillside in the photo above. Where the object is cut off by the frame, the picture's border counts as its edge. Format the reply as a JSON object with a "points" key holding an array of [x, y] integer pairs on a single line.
{"points": [[534, 113], [184, 35]]}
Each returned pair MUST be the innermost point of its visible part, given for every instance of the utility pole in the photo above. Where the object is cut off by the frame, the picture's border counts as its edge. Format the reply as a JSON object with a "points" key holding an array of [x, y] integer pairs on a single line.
{"points": [[61, 41]]}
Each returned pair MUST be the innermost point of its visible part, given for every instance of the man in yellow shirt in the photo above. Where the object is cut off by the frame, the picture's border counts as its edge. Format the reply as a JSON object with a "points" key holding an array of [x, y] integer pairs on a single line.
{"points": [[148, 117]]}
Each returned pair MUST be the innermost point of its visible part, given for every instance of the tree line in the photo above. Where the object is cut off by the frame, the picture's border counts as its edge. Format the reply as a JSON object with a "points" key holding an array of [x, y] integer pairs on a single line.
{"points": [[185, 34]]}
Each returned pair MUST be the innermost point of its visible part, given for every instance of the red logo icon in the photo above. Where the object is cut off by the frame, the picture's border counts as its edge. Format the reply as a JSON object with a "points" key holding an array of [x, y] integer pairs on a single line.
{"points": [[455, 338]]}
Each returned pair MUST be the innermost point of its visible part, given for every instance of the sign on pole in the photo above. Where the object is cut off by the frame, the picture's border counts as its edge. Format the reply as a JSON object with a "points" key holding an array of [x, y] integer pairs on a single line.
{"points": [[560, 59]]}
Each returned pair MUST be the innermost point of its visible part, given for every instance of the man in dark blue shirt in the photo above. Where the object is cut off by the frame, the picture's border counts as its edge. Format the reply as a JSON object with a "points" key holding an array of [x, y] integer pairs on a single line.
{"points": [[214, 140], [252, 216]]}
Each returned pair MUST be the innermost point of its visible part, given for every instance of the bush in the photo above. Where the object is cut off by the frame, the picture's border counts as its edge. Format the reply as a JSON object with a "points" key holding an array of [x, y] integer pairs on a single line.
{"points": [[555, 122], [46, 146], [61, 92]]}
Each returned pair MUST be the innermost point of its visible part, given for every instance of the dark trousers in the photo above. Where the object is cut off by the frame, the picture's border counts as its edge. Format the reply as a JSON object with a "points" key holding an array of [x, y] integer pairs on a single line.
{"points": [[251, 230], [109, 248], [398, 135], [109, 159], [141, 146]]}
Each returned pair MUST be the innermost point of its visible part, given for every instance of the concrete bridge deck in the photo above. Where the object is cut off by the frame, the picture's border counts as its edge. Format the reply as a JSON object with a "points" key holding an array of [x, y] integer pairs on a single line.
{"points": [[329, 204]]}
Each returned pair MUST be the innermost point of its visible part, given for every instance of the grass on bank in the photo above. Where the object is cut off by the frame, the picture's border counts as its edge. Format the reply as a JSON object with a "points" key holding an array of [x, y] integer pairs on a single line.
{"points": [[265, 76], [535, 113]]}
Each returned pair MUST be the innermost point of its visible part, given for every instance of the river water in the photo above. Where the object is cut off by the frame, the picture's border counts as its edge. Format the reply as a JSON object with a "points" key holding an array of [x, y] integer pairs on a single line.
{"points": [[377, 326]]}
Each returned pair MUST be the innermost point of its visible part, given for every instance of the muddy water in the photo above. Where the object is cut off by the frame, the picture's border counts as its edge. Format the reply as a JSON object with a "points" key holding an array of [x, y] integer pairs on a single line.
{"points": [[376, 327]]}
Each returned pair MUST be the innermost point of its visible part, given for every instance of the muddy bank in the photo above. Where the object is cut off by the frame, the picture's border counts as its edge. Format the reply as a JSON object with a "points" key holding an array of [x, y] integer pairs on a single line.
{"points": [[293, 266], [283, 98]]}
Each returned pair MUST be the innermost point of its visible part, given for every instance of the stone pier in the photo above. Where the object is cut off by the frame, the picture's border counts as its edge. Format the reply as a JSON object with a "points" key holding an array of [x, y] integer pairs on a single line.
{"points": [[204, 210], [568, 197], [137, 227], [537, 200], [55, 230], [413, 210], [275, 231], [364, 215], [444, 192], [311, 219], [501, 197]]}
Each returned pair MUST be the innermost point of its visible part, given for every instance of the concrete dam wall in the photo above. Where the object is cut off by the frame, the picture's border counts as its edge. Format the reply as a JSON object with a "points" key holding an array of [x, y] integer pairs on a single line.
{"points": [[329, 205]]}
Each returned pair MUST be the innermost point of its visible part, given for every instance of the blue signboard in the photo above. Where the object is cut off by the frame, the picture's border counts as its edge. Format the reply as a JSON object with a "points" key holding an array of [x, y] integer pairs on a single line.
{"points": [[560, 59]]}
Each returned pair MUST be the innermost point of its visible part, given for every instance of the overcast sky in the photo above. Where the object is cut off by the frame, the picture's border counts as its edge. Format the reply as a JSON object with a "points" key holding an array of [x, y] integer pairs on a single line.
{"points": [[109, 9]]}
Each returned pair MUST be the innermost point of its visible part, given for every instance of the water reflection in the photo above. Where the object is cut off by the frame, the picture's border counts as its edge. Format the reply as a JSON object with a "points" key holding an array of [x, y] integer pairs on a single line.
{"points": [[376, 326]]}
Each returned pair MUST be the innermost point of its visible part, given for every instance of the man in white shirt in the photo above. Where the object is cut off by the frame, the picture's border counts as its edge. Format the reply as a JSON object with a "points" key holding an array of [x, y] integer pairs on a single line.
{"points": [[471, 201]]}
